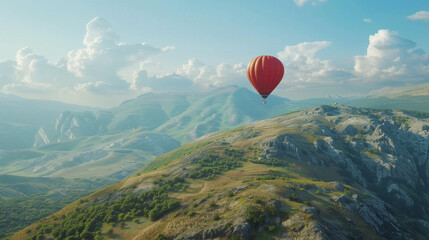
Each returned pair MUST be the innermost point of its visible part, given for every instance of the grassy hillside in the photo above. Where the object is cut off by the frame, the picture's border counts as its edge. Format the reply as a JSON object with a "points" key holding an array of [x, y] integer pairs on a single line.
{"points": [[24, 200], [297, 175]]}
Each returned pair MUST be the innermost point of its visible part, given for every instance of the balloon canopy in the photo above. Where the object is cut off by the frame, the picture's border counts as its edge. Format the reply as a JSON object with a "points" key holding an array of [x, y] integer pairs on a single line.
{"points": [[265, 73]]}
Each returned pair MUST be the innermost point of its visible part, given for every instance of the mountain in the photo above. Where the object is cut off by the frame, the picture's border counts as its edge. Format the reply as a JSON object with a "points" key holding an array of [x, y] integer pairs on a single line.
{"points": [[108, 145], [21, 118], [329, 172], [413, 98], [184, 116], [116, 142], [415, 90], [169, 117]]}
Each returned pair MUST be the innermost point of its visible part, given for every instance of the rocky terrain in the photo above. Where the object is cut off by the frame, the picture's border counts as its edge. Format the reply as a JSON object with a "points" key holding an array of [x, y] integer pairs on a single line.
{"points": [[329, 172]]}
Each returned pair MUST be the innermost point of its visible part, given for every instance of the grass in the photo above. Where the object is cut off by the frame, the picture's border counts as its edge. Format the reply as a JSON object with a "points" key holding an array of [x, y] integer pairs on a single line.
{"points": [[173, 155]]}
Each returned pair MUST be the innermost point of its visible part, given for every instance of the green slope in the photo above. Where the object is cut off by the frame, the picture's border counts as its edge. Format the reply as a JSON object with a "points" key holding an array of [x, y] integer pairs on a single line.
{"points": [[315, 174], [24, 200]]}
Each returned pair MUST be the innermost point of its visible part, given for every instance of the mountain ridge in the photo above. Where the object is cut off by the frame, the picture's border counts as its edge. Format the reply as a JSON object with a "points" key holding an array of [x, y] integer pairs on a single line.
{"points": [[329, 172]]}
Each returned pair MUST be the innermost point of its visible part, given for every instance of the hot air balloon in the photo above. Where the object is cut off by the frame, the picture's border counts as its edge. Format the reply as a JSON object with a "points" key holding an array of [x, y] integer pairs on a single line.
{"points": [[265, 73]]}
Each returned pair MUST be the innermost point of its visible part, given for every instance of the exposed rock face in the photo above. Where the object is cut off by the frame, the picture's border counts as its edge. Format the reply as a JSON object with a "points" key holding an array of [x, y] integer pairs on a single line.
{"points": [[387, 152], [400, 194], [222, 230], [300, 228], [374, 212], [337, 186], [326, 146], [281, 145], [70, 125]]}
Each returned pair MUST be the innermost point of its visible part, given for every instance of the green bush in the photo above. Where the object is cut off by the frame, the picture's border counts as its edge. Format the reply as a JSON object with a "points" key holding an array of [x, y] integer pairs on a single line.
{"points": [[294, 197], [213, 165], [255, 215], [85, 222]]}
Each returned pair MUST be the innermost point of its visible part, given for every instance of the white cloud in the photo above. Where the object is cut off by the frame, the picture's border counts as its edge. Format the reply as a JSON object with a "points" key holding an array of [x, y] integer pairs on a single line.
{"points": [[392, 58], [421, 15], [34, 68], [106, 71], [168, 82], [301, 3], [205, 76], [104, 57], [367, 20], [303, 67], [94, 69]]}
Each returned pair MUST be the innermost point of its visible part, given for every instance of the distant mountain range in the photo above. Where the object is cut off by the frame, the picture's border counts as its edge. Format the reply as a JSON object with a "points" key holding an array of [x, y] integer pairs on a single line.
{"points": [[21, 118], [55, 140], [328, 172]]}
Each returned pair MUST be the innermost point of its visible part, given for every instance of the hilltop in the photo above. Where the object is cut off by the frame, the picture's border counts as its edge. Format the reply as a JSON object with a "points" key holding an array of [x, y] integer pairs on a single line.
{"points": [[329, 172]]}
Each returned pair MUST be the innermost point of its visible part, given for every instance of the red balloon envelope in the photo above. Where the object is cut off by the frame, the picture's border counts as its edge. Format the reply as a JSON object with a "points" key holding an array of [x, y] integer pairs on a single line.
{"points": [[265, 73]]}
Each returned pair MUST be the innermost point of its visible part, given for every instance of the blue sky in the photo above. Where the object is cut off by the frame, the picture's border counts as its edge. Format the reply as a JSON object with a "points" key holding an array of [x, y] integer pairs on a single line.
{"points": [[323, 44]]}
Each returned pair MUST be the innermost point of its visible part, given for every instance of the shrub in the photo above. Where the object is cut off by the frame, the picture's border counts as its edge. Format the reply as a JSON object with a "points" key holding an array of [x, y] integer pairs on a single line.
{"points": [[254, 215], [294, 197]]}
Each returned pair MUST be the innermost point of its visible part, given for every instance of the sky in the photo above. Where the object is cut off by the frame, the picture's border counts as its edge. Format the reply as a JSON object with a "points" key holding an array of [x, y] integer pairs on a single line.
{"points": [[102, 52]]}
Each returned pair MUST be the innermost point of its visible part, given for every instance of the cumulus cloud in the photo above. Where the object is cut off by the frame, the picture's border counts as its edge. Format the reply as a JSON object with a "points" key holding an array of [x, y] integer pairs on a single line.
{"points": [[390, 57], [420, 16], [106, 71], [301, 3], [93, 69], [207, 76], [303, 67], [168, 82], [367, 20], [99, 63], [34, 68]]}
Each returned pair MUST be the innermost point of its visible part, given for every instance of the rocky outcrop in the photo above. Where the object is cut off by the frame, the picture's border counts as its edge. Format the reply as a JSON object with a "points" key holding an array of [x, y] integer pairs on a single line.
{"points": [[281, 145], [300, 227], [373, 211], [70, 125], [242, 230], [337, 186], [400, 194], [327, 146]]}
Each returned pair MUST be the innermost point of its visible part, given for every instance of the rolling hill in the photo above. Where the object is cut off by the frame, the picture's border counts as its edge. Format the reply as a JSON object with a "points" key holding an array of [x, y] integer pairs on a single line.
{"points": [[329, 172]]}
